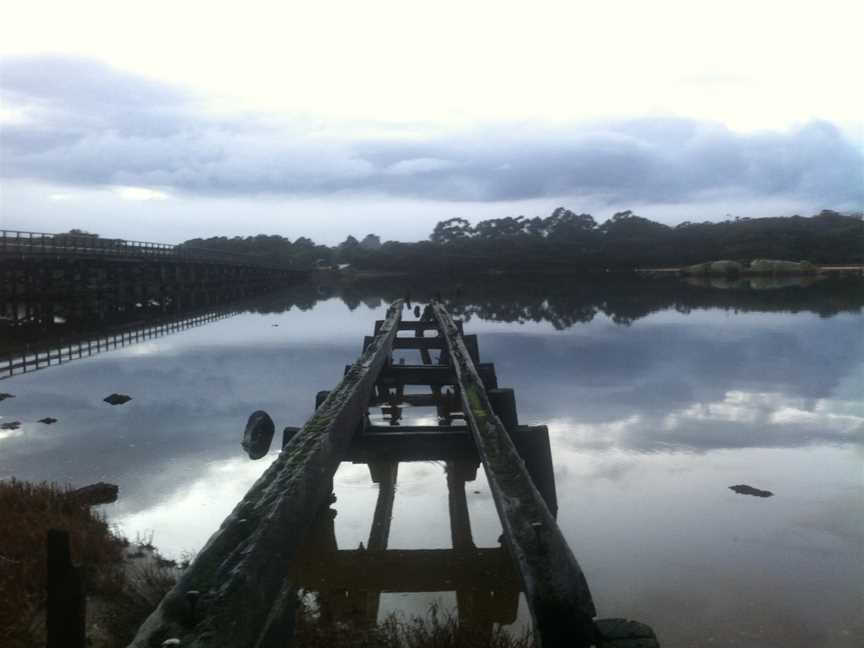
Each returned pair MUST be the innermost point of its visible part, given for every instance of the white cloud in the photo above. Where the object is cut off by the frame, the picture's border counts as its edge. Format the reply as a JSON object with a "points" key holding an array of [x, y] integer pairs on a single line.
{"points": [[139, 193], [418, 165], [496, 102], [748, 65], [739, 419]]}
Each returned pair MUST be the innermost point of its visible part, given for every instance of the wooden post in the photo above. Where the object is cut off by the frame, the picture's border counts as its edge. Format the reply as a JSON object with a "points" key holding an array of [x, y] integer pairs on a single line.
{"points": [[385, 475], [66, 608]]}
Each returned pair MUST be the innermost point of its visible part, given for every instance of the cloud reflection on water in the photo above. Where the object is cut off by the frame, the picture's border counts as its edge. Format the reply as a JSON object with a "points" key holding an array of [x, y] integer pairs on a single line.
{"points": [[650, 423]]}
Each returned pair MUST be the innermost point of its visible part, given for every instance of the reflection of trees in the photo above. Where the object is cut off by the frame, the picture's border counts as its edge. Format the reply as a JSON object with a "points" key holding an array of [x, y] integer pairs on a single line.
{"points": [[563, 302], [567, 301]]}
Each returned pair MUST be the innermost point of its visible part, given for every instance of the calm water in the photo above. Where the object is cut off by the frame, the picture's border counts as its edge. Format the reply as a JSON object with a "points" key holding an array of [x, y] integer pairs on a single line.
{"points": [[658, 397]]}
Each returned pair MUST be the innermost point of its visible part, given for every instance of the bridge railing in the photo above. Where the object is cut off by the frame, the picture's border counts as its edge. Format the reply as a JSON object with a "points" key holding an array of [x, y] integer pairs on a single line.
{"points": [[15, 242]]}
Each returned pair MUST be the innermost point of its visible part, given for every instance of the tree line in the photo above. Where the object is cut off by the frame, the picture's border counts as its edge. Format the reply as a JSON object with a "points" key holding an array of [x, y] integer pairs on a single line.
{"points": [[566, 241]]}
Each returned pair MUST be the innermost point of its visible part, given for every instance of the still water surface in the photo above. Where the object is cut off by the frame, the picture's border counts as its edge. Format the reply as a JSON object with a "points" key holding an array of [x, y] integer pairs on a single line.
{"points": [[652, 414]]}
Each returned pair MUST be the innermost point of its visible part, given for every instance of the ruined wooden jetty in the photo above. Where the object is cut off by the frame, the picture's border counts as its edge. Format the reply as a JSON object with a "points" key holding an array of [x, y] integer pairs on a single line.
{"points": [[241, 589]]}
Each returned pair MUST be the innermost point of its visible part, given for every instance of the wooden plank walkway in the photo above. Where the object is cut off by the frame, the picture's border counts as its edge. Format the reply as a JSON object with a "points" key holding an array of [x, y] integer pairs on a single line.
{"points": [[241, 588]]}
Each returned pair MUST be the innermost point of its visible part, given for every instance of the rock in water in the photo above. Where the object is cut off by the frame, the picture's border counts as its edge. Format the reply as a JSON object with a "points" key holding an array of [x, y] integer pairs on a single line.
{"points": [[4, 396], [11, 425], [93, 494], [117, 399], [258, 434], [744, 489], [48, 420]]}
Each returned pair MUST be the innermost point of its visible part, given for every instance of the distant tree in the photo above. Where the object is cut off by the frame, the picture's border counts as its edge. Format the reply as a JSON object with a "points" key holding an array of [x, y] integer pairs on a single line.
{"points": [[452, 230], [371, 242], [77, 233], [497, 228], [566, 240], [348, 250], [564, 225]]}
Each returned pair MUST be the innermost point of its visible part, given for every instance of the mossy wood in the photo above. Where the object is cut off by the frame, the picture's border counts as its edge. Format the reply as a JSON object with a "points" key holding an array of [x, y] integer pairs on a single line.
{"points": [[229, 595], [555, 587]]}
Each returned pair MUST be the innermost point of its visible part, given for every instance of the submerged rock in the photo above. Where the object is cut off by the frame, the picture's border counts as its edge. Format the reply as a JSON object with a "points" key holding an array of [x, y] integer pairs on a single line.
{"points": [[258, 434], [721, 268], [744, 489], [4, 396], [117, 399], [11, 425], [776, 266], [48, 420]]}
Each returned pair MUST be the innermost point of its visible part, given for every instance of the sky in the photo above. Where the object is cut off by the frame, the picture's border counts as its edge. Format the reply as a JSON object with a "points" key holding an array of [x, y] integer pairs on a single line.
{"points": [[165, 121]]}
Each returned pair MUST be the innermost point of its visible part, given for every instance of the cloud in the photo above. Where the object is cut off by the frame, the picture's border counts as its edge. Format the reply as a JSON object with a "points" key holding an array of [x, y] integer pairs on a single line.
{"points": [[140, 193], [81, 123]]}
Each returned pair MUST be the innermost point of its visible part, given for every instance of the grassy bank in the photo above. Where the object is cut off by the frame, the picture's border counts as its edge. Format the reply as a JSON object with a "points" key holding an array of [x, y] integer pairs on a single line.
{"points": [[123, 582]]}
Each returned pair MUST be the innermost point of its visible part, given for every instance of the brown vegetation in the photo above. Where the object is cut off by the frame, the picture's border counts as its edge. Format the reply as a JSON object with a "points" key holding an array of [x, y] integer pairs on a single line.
{"points": [[119, 596], [124, 584]]}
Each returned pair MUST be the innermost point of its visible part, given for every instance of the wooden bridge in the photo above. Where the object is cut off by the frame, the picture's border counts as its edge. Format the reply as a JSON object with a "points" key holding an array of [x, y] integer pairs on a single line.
{"points": [[64, 264], [241, 589]]}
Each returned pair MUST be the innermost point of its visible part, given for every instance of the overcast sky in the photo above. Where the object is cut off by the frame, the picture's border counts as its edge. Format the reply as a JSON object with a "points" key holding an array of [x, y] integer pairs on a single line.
{"points": [[167, 120]]}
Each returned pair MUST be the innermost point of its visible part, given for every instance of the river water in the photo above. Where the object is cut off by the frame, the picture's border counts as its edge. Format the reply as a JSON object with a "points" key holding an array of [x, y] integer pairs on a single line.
{"points": [[658, 397]]}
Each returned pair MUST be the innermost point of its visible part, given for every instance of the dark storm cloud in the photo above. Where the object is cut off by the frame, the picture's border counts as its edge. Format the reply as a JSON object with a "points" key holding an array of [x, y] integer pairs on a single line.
{"points": [[88, 124]]}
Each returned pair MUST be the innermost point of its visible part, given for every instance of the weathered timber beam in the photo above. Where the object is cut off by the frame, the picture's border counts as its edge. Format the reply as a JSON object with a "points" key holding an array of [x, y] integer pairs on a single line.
{"points": [[227, 595], [555, 587], [411, 570], [384, 474], [418, 343], [415, 400], [421, 343], [414, 430], [441, 443], [417, 375], [427, 343], [411, 447], [435, 375], [418, 325]]}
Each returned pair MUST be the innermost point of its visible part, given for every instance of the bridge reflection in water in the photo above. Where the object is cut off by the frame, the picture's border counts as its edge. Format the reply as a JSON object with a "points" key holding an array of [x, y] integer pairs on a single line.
{"points": [[349, 582], [39, 331]]}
